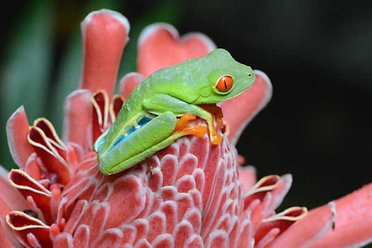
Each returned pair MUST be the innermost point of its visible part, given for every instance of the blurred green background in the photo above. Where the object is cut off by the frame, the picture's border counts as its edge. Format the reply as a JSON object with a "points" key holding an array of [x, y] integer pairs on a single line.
{"points": [[317, 53]]}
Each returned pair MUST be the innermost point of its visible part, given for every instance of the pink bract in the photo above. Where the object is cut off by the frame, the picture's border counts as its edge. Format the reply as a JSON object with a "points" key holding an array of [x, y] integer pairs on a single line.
{"points": [[191, 194]]}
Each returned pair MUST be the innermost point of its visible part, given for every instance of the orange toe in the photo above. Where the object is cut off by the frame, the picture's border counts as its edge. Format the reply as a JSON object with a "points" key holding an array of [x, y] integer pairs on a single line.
{"points": [[196, 130], [183, 120]]}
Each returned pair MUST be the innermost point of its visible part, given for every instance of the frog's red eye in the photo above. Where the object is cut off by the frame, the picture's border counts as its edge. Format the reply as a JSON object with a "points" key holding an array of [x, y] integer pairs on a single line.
{"points": [[224, 83]]}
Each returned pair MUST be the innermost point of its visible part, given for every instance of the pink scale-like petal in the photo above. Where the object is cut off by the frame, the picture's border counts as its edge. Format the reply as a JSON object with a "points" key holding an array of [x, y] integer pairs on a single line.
{"points": [[168, 193], [156, 180], [143, 243], [163, 241], [194, 217], [184, 202], [17, 131], [184, 149], [105, 34], [305, 232], [185, 184], [160, 46], [149, 204], [210, 173], [218, 239], [182, 231], [250, 102], [127, 200], [233, 235], [187, 165], [157, 223], [82, 236], [110, 238], [129, 82], [64, 240], [77, 126], [194, 241], [353, 222], [169, 208], [199, 178], [142, 227], [168, 169], [201, 150], [129, 234], [197, 198]]}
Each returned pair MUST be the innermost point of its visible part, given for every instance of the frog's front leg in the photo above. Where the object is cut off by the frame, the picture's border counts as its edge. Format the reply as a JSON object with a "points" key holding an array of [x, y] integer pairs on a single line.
{"points": [[161, 103]]}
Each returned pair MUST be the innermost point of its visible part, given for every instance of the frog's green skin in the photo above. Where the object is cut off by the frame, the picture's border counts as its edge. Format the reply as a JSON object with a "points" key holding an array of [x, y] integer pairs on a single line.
{"points": [[161, 98]]}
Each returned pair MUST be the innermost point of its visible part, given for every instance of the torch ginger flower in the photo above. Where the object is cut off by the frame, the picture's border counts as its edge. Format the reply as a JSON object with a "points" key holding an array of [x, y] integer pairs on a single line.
{"points": [[191, 194]]}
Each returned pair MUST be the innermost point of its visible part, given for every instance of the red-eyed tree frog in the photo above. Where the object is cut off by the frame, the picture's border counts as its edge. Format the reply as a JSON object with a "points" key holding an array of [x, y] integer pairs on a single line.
{"points": [[158, 111]]}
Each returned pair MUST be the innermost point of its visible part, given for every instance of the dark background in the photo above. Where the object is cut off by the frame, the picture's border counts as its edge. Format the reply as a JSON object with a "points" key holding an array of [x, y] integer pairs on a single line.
{"points": [[317, 53]]}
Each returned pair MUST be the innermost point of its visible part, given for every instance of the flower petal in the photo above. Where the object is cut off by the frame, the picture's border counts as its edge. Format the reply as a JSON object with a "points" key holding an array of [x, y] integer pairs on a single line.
{"points": [[10, 199], [160, 46], [77, 126], [105, 33], [56, 165], [129, 82], [23, 224], [305, 232], [279, 222], [115, 107], [17, 131], [250, 102], [51, 135], [247, 177], [101, 113], [353, 223], [9, 195], [29, 187]]}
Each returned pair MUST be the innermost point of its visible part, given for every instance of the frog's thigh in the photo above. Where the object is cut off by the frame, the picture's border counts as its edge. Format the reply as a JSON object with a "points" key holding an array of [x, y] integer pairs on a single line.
{"points": [[139, 145]]}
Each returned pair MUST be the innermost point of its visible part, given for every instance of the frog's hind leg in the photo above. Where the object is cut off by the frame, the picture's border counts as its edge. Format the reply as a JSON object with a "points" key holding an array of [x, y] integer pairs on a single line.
{"points": [[140, 144]]}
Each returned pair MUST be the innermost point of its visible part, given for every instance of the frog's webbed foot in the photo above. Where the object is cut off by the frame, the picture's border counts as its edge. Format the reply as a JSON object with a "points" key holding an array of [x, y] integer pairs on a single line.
{"points": [[199, 130], [184, 129]]}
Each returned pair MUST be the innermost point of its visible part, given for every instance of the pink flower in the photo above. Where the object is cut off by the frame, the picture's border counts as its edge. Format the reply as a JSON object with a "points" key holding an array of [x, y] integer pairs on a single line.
{"points": [[191, 194]]}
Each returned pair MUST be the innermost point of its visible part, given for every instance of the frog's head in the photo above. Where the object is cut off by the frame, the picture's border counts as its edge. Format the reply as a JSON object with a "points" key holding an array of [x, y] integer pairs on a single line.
{"points": [[226, 78]]}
